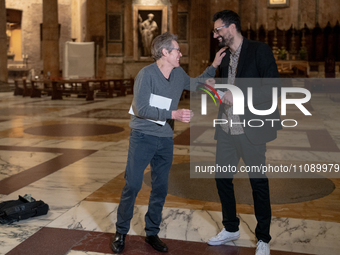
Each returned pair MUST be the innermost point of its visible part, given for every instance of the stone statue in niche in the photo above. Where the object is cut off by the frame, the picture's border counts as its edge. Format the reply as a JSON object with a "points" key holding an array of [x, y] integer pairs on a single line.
{"points": [[8, 34], [10, 55], [148, 29]]}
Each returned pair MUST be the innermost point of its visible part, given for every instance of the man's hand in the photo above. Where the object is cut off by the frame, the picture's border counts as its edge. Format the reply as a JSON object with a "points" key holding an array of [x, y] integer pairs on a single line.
{"points": [[218, 57], [210, 82], [183, 115], [227, 98]]}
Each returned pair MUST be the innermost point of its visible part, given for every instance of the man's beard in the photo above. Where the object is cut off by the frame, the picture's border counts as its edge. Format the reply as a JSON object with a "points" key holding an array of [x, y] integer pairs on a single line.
{"points": [[226, 42]]}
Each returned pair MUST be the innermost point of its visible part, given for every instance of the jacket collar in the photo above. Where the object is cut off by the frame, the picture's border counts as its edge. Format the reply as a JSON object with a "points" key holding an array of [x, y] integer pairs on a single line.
{"points": [[242, 58]]}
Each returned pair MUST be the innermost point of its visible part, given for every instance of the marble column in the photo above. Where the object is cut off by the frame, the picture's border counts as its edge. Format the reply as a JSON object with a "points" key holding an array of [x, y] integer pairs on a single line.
{"points": [[174, 17], [76, 23], [50, 39], [128, 30], [96, 31], [199, 45], [3, 43]]}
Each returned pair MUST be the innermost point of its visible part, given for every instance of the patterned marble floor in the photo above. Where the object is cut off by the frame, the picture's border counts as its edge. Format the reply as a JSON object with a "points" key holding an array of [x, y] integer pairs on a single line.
{"points": [[72, 154]]}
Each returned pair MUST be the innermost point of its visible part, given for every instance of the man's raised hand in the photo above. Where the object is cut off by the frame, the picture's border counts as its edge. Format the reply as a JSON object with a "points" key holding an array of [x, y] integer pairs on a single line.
{"points": [[218, 57]]}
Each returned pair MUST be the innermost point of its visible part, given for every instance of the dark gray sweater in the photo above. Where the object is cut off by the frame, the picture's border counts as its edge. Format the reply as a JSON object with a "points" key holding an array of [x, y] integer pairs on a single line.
{"points": [[151, 80]]}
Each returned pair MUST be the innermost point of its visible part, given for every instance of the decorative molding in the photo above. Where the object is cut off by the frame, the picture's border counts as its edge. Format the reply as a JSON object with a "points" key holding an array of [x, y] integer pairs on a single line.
{"points": [[278, 3]]}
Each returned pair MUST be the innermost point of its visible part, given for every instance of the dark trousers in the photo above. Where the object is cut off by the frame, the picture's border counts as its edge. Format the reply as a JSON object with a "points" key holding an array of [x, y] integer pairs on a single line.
{"points": [[229, 150], [145, 149]]}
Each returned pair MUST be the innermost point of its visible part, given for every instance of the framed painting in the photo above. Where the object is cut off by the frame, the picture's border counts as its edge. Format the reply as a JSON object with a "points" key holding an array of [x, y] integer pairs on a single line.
{"points": [[148, 22]]}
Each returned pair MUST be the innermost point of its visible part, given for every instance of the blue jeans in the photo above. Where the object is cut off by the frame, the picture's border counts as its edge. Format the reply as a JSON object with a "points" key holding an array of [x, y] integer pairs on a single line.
{"points": [[145, 149]]}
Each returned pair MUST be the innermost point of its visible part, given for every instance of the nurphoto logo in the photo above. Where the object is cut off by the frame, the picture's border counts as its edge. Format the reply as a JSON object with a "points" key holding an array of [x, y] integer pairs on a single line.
{"points": [[239, 105]]}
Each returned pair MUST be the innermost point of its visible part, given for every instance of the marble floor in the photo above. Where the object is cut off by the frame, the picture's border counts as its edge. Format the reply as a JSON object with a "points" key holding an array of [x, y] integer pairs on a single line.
{"points": [[72, 153]]}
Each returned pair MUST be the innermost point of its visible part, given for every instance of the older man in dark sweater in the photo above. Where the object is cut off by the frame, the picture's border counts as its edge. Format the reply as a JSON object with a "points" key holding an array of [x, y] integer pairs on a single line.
{"points": [[151, 142]]}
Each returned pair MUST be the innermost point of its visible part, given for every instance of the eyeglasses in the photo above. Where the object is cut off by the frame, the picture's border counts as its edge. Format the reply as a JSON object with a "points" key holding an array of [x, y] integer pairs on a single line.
{"points": [[215, 30], [178, 49]]}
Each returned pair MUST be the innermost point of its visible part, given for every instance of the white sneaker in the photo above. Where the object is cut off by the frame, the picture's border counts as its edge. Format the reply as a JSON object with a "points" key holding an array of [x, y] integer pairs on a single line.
{"points": [[223, 237], [262, 248]]}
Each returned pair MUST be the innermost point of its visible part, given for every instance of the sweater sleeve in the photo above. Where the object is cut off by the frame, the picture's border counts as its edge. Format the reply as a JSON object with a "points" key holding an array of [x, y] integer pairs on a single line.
{"points": [[209, 72], [141, 100]]}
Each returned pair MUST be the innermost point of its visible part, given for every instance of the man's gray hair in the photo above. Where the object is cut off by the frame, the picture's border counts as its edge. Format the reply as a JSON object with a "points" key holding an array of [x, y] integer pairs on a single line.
{"points": [[163, 41]]}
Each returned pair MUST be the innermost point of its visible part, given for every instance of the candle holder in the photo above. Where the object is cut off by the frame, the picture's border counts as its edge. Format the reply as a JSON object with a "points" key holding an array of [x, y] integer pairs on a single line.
{"points": [[303, 50], [293, 51], [283, 39], [25, 59], [275, 48]]}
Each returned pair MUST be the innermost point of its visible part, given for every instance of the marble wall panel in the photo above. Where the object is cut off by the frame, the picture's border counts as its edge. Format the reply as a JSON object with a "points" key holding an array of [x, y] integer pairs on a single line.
{"points": [[114, 5], [183, 6], [114, 49], [114, 71]]}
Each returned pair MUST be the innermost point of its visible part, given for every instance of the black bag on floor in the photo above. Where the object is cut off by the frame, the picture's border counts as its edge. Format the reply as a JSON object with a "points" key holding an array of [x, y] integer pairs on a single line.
{"points": [[21, 209]]}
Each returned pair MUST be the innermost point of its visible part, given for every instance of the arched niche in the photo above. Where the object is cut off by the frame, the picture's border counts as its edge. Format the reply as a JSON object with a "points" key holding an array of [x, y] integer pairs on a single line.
{"points": [[13, 31]]}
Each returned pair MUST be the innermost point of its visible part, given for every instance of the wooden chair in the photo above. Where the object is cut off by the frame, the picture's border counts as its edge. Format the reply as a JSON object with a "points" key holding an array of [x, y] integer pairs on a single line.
{"points": [[128, 83], [119, 88], [41, 86], [19, 89]]}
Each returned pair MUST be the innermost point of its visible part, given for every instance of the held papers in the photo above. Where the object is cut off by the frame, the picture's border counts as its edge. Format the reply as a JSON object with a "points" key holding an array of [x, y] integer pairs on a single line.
{"points": [[159, 102]]}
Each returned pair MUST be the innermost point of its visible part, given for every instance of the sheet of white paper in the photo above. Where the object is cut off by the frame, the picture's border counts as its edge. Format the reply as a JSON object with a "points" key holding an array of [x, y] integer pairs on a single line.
{"points": [[159, 102]]}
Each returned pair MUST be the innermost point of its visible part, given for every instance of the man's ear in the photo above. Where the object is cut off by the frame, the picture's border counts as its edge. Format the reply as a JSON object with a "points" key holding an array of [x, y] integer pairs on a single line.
{"points": [[233, 26], [165, 52]]}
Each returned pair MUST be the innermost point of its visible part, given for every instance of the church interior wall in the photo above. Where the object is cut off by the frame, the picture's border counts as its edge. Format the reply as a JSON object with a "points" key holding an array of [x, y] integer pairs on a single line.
{"points": [[31, 32], [328, 12], [86, 20], [15, 45]]}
